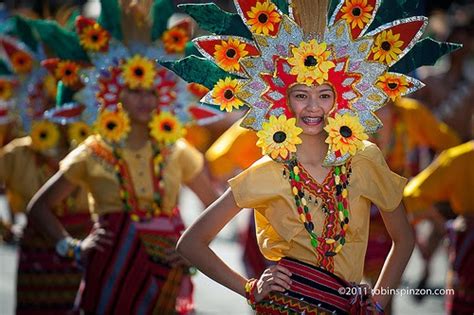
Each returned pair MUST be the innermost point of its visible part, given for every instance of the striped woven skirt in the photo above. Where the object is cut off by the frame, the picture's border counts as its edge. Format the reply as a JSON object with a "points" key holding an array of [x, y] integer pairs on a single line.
{"points": [[314, 291], [130, 276], [47, 283], [461, 265]]}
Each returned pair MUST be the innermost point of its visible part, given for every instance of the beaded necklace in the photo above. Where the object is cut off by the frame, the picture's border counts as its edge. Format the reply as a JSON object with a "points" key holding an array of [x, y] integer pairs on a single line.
{"points": [[334, 206], [127, 189]]}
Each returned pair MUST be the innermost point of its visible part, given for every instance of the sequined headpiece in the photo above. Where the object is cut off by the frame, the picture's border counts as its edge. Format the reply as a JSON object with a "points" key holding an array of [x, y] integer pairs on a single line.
{"points": [[257, 54]]}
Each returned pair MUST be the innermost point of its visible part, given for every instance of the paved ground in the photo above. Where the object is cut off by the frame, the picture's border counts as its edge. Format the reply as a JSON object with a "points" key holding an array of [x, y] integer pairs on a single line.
{"points": [[211, 298]]}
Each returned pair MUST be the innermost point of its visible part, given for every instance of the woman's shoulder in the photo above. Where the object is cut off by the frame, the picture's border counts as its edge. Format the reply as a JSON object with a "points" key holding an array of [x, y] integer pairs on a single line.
{"points": [[264, 163], [369, 152]]}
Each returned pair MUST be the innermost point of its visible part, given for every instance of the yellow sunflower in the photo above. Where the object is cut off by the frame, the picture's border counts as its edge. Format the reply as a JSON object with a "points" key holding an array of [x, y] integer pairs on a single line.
{"points": [[166, 128], [279, 137], [113, 126], [175, 39], [94, 37], [387, 47], [228, 54], [67, 71], [356, 13], [310, 62], [78, 132], [393, 85], [345, 133], [21, 62], [263, 17], [224, 93], [138, 72], [44, 135], [6, 90]]}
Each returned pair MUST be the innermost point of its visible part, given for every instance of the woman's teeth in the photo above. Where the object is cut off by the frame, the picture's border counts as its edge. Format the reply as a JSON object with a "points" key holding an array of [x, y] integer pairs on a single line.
{"points": [[312, 120]]}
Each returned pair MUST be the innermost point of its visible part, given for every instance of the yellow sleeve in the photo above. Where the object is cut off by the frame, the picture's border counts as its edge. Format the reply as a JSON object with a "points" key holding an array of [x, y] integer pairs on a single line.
{"points": [[74, 166], [427, 129], [430, 186], [191, 161], [252, 188], [378, 183]]}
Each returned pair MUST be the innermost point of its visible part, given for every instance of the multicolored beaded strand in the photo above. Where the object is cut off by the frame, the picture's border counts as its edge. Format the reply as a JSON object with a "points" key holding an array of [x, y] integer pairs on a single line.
{"points": [[326, 243]]}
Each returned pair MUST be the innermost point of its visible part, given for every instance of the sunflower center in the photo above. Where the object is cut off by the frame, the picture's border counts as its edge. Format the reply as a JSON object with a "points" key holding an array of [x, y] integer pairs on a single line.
{"points": [[228, 94], [263, 18], [356, 11], [83, 133], [345, 131], [21, 61], [386, 46], [230, 53], [310, 61], [392, 85], [279, 136], [138, 72], [95, 38], [176, 39], [167, 127], [43, 135], [111, 125], [68, 72]]}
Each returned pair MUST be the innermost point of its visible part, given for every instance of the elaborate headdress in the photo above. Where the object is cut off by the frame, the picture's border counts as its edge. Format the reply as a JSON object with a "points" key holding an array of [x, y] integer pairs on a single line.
{"points": [[119, 51], [363, 51], [33, 90]]}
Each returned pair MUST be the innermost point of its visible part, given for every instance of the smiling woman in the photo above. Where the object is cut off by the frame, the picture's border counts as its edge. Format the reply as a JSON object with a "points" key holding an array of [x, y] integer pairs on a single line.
{"points": [[312, 93]]}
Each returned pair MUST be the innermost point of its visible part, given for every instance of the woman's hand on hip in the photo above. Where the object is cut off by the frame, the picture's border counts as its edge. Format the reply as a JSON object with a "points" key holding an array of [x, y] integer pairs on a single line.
{"points": [[275, 278]]}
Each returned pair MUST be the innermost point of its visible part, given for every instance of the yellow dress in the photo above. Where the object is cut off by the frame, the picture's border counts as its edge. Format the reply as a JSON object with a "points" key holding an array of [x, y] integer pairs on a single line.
{"points": [[44, 282], [280, 233], [449, 178], [84, 168], [23, 171]]}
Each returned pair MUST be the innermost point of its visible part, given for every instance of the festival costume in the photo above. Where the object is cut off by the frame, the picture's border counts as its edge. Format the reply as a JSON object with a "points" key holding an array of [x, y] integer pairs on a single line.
{"points": [[134, 192], [253, 59], [46, 283], [449, 178]]}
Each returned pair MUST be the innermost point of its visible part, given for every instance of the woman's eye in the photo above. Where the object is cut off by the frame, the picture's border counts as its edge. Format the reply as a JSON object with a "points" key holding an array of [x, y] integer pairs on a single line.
{"points": [[301, 96], [325, 96]]}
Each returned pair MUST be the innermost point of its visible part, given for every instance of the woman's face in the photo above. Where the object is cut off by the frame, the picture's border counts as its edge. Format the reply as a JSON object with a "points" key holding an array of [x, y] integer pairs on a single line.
{"points": [[311, 104], [139, 104]]}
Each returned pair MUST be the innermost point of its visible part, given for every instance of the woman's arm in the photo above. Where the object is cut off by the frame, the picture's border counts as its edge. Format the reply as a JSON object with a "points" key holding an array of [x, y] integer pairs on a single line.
{"points": [[403, 242], [202, 186], [50, 195], [53, 192], [194, 243]]}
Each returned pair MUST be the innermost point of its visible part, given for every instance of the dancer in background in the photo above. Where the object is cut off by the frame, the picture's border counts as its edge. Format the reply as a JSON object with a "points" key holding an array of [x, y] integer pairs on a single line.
{"points": [[45, 282], [450, 178], [134, 168]]}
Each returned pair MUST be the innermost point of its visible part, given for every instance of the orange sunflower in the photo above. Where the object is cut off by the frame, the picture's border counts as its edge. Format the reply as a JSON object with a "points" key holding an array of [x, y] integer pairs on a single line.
{"points": [[228, 54], [357, 13], [393, 85], [139, 72], [387, 47], [224, 93], [175, 40], [94, 37], [6, 90], [263, 17], [67, 71], [21, 62]]}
